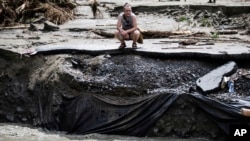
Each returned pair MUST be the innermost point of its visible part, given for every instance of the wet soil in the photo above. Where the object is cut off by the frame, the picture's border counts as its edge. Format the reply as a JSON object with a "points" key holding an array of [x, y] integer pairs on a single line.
{"points": [[15, 132]]}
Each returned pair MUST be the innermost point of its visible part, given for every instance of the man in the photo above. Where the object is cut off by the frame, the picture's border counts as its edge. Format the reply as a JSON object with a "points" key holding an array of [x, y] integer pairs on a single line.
{"points": [[127, 27]]}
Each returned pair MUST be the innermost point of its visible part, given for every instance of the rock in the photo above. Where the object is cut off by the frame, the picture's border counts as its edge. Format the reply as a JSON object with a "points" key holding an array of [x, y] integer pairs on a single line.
{"points": [[49, 26], [33, 27], [24, 119], [19, 109], [10, 118], [212, 80]]}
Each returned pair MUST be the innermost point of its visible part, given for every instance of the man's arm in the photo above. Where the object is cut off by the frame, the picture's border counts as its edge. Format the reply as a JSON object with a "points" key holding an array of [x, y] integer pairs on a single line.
{"points": [[119, 24], [119, 27]]}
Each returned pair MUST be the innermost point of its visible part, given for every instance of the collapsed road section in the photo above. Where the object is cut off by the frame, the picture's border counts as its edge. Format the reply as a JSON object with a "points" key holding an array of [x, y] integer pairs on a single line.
{"points": [[120, 94]]}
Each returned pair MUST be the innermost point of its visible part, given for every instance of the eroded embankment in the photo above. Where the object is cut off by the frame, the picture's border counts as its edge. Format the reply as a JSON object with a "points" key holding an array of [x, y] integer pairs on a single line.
{"points": [[43, 91]]}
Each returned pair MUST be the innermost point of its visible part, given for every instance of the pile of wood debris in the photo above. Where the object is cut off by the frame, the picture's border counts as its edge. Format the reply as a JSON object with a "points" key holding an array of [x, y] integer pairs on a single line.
{"points": [[13, 12]]}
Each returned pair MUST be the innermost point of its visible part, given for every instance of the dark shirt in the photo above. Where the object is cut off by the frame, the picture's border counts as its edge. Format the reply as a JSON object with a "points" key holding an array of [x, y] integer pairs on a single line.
{"points": [[127, 22]]}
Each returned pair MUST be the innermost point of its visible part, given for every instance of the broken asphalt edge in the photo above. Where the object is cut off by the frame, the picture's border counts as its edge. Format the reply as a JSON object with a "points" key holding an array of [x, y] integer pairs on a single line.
{"points": [[183, 55]]}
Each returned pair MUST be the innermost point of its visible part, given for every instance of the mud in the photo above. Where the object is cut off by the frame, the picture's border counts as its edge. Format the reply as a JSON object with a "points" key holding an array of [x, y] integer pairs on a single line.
{"points": [[15, 132]]}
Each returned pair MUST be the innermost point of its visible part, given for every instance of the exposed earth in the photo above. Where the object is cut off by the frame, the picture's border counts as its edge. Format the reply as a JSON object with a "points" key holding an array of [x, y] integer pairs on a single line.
{"points": [[36, 73]]}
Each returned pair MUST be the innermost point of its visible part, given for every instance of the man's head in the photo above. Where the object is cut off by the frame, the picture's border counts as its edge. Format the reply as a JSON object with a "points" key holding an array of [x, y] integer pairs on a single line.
{"points": [[127, 9]]}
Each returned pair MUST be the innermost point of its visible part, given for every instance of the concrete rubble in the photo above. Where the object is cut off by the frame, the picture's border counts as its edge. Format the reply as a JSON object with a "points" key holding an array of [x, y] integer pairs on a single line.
{"points": [[212, 80]]}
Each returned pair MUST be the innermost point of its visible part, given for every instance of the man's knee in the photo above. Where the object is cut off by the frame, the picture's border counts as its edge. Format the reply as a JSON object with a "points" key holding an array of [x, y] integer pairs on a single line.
{"points": [[136, 33], [116, 33]]}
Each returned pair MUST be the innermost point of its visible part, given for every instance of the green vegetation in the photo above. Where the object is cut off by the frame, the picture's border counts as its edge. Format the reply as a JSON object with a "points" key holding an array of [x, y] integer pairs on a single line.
{"points": [[205, 22], [183, 19], [215, 35]]}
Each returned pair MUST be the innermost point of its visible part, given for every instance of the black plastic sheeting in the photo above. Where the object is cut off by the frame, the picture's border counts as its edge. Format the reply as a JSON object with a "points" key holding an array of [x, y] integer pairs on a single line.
{"points": [[134, 116]]}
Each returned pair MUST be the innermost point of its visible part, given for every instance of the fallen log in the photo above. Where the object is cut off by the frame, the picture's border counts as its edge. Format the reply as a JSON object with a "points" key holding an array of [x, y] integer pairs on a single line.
{"points": [[230, 27], [196, 34], [23, 26], [103, 33], [80, 29], [204, 44], [225, 32], [182, 47], [166, 42], [162, 34], [207, 39], [188, 42], [195, 43]]}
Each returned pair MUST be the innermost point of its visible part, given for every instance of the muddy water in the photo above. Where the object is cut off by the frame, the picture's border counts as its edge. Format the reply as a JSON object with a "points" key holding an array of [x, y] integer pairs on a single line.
{"points": [[13, 132]]}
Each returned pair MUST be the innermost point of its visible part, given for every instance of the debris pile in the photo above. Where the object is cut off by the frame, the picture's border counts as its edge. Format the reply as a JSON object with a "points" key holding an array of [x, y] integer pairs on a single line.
{"points": [[25, 11], [206, 18]]}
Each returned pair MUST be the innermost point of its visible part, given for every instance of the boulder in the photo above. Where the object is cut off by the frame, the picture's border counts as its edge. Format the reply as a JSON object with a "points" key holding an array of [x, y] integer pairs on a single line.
{"points": [[212, 80]]}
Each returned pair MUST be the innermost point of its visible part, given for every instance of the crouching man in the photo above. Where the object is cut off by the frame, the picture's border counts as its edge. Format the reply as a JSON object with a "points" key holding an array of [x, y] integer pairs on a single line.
{"points": [[127, 27]]}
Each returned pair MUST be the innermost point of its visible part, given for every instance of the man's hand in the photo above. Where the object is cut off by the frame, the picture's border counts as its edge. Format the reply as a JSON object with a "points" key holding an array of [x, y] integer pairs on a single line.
{"points": [[124, 32]]}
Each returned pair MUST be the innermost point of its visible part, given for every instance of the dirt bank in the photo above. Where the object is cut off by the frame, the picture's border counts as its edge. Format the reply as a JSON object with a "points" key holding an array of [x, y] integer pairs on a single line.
{"points": [[33, 88]]}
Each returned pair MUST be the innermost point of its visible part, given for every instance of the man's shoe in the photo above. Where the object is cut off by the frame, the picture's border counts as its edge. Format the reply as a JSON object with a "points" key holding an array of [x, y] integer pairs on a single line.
{"points": [[122, 46], [134, 45]]}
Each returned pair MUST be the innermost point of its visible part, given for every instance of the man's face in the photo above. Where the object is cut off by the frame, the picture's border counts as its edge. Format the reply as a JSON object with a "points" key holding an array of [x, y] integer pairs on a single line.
{"points": [[127, 10]]}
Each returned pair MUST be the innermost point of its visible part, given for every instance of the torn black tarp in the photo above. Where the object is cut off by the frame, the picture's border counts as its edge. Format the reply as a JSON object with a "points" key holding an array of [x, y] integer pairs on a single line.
{"points": [[134, 116]]}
